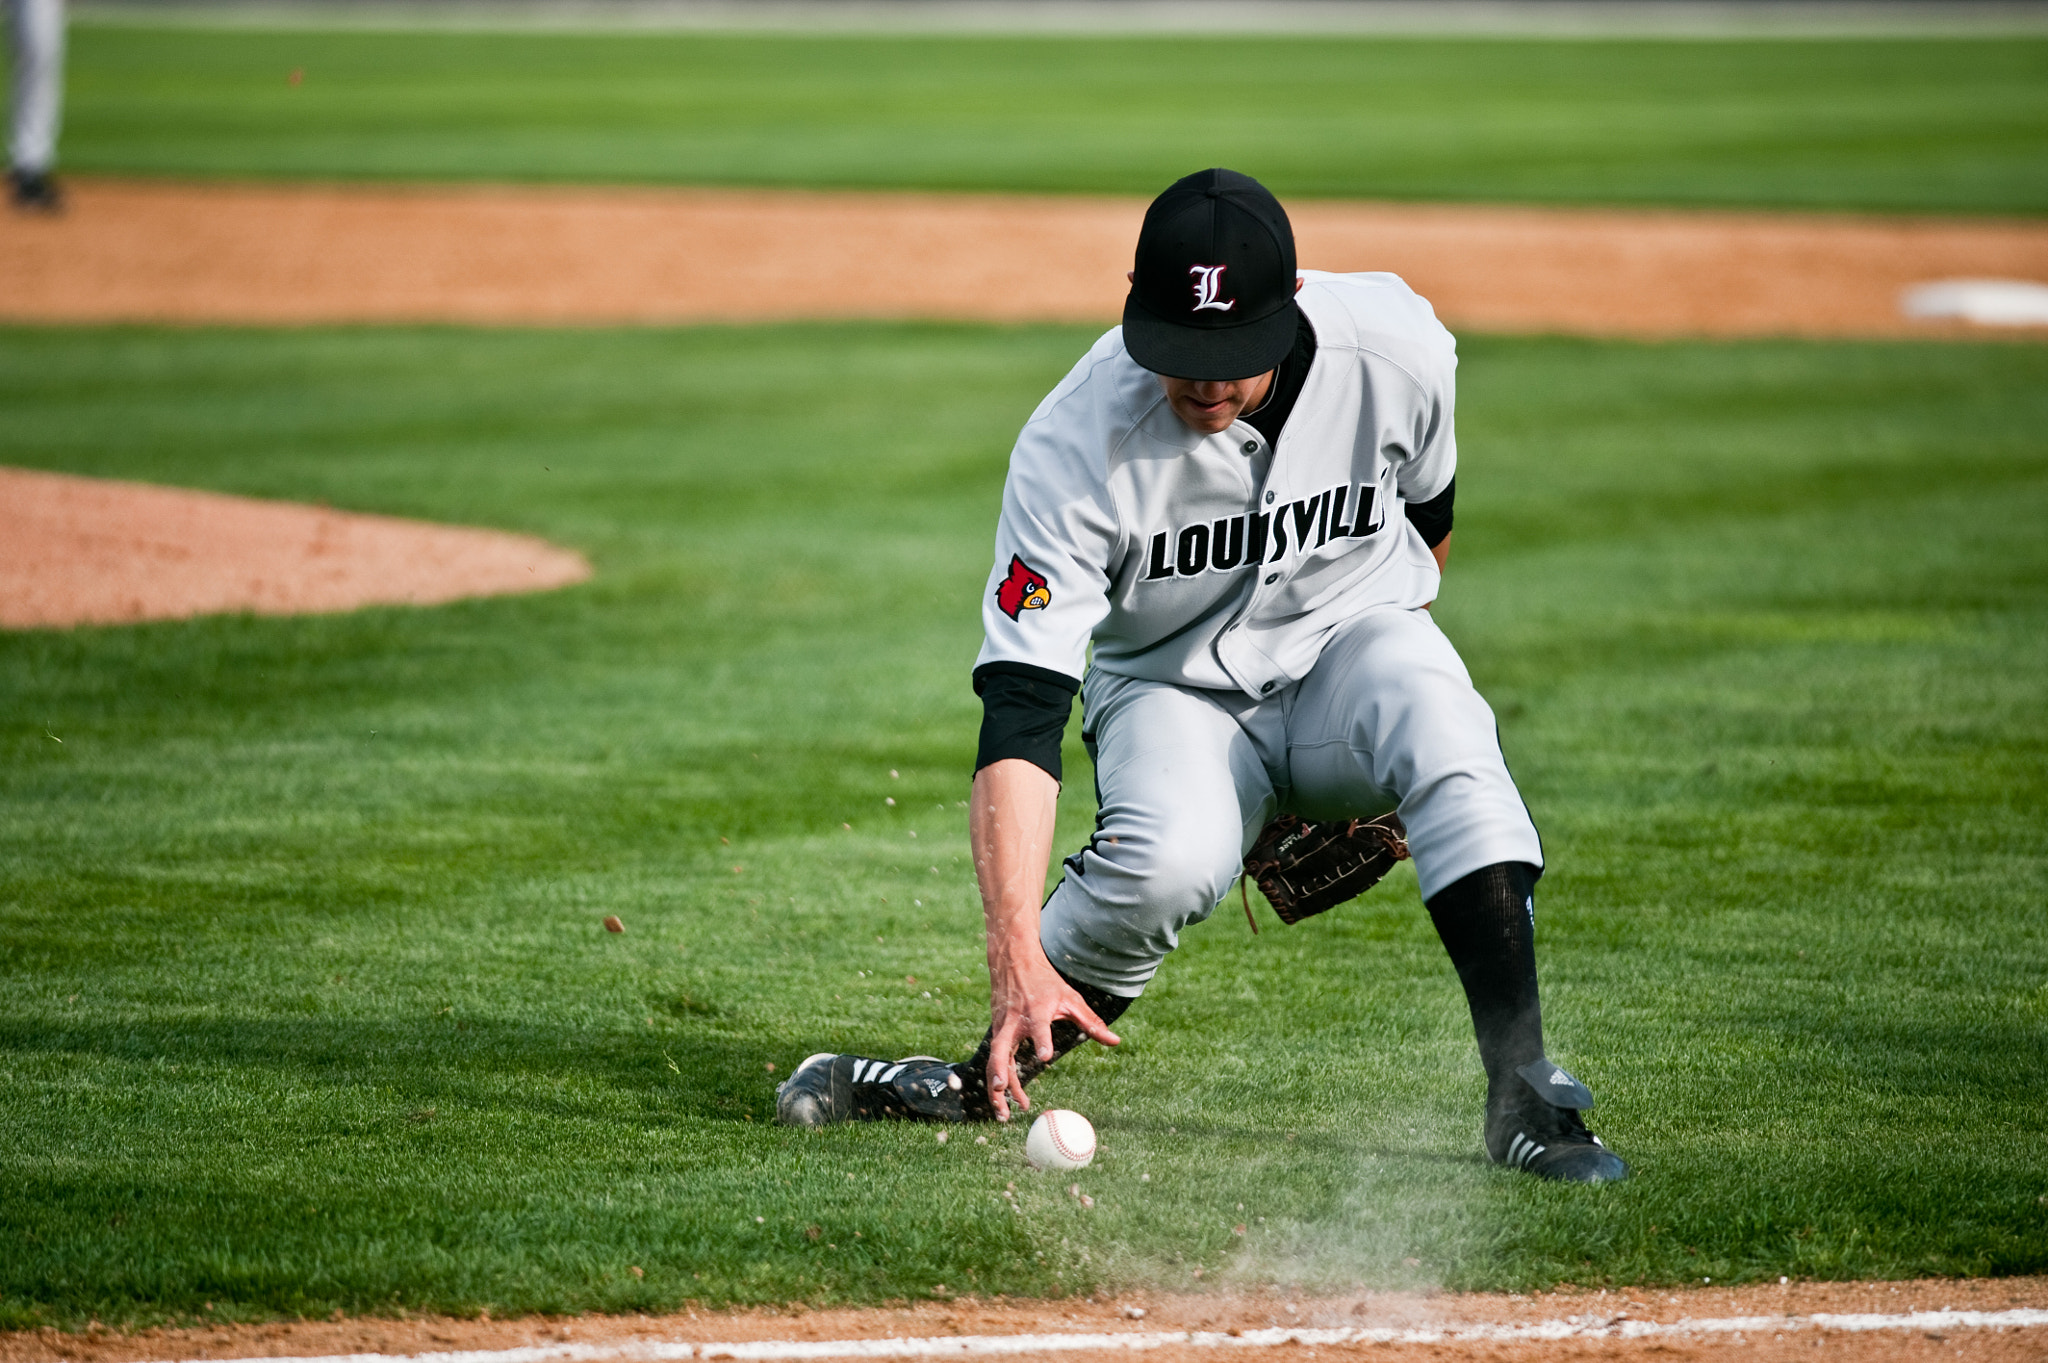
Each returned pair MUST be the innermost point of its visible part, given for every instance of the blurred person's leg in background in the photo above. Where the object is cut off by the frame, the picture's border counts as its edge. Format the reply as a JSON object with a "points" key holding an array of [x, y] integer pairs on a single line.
{"points": [[35, 29]]}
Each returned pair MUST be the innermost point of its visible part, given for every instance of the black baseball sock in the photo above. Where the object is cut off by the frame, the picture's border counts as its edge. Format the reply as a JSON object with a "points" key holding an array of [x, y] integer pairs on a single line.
{"points": [[1488, 925], [973, 1071]]}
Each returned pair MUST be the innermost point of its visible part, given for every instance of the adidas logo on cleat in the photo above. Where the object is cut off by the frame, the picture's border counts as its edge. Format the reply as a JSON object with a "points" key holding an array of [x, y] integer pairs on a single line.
{"points": [[1523, 1150], [876, 1071], [831, 1088], [1535, 1126]]}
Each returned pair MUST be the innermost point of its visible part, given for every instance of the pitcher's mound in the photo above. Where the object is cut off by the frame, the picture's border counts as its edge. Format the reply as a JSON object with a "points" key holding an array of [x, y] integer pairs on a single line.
{"points": [[85, 551]]}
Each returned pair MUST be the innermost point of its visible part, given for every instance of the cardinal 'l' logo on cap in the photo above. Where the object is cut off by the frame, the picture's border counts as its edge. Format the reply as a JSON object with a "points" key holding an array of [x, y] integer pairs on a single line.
{"points": [[1208, 283]]}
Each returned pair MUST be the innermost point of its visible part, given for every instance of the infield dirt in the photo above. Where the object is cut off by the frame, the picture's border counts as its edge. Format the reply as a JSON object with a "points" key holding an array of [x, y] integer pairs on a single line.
{"points": [[1223, 1312], [275, 254], [76, 551]]}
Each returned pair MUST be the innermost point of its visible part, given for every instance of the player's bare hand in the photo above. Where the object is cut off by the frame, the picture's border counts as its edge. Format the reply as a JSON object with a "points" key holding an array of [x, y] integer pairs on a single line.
{"points": [[1026, 997]]}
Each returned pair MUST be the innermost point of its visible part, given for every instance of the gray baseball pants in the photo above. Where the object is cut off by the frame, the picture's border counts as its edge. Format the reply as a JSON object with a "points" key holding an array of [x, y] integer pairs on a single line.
{"points": [[35, 29], [1387, 719]]}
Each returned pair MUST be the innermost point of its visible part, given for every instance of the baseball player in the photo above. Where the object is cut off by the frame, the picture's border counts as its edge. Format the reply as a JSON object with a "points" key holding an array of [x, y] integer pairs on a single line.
{"points": [[1223, 530], [35, 31]]}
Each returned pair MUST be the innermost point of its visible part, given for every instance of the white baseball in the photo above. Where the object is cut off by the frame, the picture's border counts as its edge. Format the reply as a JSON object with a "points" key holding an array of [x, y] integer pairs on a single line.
{"points": [[1060, 1139]]}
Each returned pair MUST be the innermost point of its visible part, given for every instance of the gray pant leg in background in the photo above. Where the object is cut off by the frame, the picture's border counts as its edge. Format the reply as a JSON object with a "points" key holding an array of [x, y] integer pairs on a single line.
{"points": [[1184, 791], [35, 28]]}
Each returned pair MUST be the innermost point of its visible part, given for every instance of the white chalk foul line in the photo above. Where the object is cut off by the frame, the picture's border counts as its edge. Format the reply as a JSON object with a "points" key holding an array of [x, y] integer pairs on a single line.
{"points": [[1590, 1327]]}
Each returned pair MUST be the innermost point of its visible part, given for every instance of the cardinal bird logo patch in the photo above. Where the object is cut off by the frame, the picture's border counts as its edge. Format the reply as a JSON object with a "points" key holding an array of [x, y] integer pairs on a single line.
{"points": [[1023, 590]]}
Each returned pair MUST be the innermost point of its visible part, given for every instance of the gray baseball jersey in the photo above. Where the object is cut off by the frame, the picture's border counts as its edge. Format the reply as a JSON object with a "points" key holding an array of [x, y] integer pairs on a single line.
{"points": [[1212, 561]]}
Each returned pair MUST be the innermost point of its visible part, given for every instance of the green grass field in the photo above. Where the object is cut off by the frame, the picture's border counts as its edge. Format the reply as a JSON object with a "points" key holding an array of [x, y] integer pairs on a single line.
{"points": [[304, 999], [1923, 125], [306, 1003]]}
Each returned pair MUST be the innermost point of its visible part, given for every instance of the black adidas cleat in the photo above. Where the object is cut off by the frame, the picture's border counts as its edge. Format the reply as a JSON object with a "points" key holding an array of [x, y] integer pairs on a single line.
{"points": [[831, 1088], [1535, 1127]]}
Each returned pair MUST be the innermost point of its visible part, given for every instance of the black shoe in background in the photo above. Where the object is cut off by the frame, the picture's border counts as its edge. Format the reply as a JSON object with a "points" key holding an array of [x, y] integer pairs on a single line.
{"points": [[35, 191]]}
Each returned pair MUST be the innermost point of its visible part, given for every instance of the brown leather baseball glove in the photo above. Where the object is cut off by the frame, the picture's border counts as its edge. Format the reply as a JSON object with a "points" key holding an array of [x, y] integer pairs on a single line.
{"points": [[1303, 868]]}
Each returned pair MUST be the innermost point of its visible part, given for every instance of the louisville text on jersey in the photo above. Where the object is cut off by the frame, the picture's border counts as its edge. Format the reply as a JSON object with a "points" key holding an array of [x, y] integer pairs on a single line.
{"points": [[1023, 590], [1256, 537]]}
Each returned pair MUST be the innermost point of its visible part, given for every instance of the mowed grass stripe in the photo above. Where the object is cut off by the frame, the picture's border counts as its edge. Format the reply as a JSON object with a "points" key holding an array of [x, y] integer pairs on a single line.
{"points": [[307, 1004], [1921, 124]]}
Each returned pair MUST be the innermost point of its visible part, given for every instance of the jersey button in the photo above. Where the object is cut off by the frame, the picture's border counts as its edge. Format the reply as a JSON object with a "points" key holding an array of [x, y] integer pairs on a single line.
{"points": [[1271, 578], [1251, 447], [1264, 689], [1269, 499]]}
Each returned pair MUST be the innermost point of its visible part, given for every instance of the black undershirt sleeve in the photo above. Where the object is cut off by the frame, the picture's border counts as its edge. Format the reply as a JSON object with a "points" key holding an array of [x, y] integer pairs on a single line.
{"points": [[1024, 713], [1433, 517]]}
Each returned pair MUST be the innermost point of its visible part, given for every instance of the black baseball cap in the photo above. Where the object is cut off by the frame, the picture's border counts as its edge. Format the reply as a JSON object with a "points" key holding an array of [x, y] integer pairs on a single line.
{"points": [[1212, 296]]}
